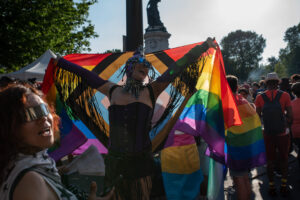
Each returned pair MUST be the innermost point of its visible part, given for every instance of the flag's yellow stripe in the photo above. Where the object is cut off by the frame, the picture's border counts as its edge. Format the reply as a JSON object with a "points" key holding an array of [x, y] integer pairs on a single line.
{"points": [[249, 123], [113, 67], [180, 159]]}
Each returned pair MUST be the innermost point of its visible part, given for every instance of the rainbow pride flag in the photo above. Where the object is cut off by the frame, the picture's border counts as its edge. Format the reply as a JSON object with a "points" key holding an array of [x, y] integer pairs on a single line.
{"points": [[109, 66], [207, 113], [74, 136], [180, 166], [245, 143], [212, 108]]}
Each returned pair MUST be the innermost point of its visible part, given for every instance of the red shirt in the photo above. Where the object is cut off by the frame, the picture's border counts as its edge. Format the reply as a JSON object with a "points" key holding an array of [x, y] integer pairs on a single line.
{"points": [[285, 100]]}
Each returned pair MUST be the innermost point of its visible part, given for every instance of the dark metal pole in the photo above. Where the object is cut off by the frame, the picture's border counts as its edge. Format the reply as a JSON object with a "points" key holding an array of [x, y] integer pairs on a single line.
{"points": [[134, 24]]}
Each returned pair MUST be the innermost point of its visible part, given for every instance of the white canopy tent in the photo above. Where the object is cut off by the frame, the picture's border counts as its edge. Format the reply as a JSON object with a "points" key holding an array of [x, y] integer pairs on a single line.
{"points": [[35, 69]]}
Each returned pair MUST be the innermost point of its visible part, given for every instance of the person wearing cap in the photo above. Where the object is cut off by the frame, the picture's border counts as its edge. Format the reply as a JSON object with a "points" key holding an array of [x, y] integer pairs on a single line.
{"points": [[279, 138]]}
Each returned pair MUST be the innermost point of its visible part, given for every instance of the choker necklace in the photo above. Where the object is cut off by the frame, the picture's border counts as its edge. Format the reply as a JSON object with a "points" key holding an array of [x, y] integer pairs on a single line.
{"points": [[133, 87]]}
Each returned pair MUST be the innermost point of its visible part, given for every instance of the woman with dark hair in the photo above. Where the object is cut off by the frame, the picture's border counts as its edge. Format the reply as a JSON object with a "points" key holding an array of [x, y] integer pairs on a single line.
{"points": [[129, 163], [27, 128]]}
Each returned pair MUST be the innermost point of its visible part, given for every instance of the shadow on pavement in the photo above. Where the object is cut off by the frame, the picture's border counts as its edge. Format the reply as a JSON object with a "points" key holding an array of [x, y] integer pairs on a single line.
{"points": [[260, 183]]}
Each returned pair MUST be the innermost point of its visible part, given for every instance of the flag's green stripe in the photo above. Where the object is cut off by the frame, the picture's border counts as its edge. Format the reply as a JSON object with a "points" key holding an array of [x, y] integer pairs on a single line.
{"points": [[244, 139]]}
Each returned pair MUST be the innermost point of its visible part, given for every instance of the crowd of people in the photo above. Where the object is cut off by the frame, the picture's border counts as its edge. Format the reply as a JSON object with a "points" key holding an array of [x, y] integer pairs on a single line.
{"points": [[276, 101], [29, 124]]}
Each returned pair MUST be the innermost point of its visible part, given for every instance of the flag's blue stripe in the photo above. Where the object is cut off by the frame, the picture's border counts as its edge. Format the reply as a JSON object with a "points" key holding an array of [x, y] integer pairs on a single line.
{"points": [[246, 152], [182, 186]]}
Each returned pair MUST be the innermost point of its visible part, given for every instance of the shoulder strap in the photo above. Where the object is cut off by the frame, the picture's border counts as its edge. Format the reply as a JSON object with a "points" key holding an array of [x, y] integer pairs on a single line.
{"points": [[278, 95], [111, 90], [265, 97], [151, 95]]}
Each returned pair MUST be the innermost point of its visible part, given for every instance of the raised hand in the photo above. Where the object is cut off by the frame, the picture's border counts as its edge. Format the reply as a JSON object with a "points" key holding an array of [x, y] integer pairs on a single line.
{"points": [[93, 191], [211, 43]]}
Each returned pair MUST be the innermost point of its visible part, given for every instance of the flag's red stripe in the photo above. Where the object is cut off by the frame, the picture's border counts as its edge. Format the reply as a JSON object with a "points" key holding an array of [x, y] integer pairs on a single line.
{"points": [[86, 59]]}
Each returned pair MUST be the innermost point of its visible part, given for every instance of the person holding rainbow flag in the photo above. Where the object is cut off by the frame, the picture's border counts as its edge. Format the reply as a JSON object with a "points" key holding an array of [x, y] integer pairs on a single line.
{"points": [[129, 163]]}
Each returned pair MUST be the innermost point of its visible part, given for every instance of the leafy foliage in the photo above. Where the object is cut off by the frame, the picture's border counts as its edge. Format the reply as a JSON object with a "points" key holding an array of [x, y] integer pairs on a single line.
{"points": [[280, 69], [242, 52], [113, 51], [290, 56], [29, 27]]}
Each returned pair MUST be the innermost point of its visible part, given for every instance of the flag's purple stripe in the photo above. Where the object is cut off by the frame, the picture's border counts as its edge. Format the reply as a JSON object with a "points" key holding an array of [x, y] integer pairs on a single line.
{"points": [[216, 156], [211, 115], [201, 128], [258, 160], [182, 186], [87, 144], [69, 143]]}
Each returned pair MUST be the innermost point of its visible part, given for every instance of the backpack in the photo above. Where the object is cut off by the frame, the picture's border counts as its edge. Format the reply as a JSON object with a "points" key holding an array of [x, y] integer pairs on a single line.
{"points": [[273, 117]]}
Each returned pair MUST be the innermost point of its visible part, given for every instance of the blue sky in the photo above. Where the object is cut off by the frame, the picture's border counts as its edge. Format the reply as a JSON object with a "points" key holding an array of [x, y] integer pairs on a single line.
{"points": [[190, 21]]}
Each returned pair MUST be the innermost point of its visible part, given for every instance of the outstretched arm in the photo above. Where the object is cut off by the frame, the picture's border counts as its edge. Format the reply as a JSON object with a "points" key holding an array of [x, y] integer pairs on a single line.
{"points": [[92, 78], [176, 68]]}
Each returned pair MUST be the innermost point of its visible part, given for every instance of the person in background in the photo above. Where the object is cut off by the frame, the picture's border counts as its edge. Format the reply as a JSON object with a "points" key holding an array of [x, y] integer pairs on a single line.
{"points": [[286, 87], [262, 85], [255, 88], [295, 78], [5, 80], [244, 92], [27, 128], [295, 127], [272, 105], [240, 177]]}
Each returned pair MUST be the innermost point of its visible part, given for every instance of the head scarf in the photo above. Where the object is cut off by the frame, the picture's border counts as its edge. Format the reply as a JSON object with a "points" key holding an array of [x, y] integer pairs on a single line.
{"points": [[134, 86], [138, 57]]}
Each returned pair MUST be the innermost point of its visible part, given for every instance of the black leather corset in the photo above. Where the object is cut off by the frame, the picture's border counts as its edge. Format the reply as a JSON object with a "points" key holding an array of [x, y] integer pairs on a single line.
{"points": [[129, 127]]}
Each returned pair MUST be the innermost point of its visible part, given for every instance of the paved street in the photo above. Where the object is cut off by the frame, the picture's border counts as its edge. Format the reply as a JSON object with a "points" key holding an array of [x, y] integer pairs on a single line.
{"points": [[260, 182]]}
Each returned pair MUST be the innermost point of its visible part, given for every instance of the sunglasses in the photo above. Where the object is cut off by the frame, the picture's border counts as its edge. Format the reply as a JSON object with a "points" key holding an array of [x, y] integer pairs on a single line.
{"points": [[36, 112]]}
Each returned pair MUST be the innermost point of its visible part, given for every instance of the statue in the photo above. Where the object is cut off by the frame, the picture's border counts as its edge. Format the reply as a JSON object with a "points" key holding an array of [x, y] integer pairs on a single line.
{"points": [[156, 35], [153, 16]]}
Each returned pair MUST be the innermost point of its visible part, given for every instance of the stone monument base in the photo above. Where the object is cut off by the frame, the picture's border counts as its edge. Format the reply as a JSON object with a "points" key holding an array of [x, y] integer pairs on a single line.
{"points": [[156, 40]]}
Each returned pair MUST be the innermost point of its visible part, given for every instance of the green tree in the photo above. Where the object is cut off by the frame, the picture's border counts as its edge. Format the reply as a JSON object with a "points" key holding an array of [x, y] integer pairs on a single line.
{"points": [[242, 52], [272, 62], [29, 27], [113, 51], [290, 56], [280, 69]]}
